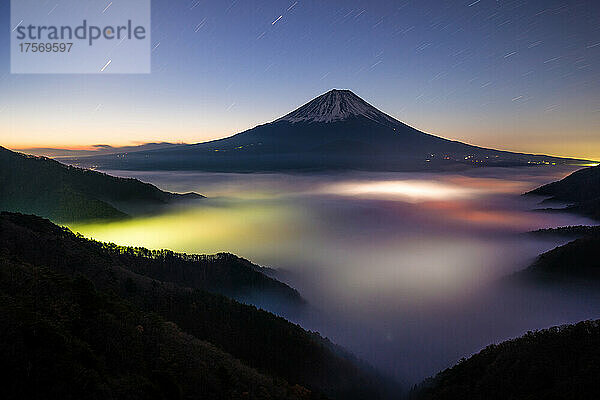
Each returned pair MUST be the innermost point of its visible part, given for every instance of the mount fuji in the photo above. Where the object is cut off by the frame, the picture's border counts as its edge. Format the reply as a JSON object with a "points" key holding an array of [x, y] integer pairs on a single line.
{"points": [[336, 130]]}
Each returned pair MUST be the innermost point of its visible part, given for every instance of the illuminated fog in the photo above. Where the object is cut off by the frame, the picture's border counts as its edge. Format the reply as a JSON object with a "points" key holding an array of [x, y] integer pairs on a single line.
{"points": [[405, 270]]}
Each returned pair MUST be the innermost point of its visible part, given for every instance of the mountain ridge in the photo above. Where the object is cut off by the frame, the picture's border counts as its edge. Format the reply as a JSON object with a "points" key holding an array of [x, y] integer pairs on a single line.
{"points": [[261, 340], [42, 186], [307, 139], [560, 362], [580, 190]]}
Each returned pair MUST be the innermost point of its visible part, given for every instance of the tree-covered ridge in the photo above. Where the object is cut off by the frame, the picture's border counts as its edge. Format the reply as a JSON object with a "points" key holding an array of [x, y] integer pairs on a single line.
{"points": [[41, 186], [556, 363], [582, 185], [579, 259], [581, 190], [569, 231], [61, 338], [259, 339], [222, 273]]}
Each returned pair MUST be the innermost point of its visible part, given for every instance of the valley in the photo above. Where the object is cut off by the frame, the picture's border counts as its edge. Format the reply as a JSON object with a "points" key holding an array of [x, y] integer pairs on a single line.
{"points": [[389, 263]]}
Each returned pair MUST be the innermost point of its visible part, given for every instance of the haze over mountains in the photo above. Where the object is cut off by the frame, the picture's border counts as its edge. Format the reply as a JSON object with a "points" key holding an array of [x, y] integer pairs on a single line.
{"points": [[73, 305], [183, 338], [337, 130], [118, 297], [560, 362]]}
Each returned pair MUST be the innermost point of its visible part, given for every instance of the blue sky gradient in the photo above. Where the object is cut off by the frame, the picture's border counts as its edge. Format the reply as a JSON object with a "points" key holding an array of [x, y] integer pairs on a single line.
{"points": [[520, 75]]}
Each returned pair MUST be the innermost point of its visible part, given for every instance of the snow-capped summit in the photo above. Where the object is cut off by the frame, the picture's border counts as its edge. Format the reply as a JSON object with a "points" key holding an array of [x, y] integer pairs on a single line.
{"points": [[337, 105]]}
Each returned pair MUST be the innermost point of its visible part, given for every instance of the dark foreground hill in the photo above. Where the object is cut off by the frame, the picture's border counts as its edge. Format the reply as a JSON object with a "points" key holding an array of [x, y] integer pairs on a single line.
{"points": [[581, 190], [556, 363], [337, 130], [79, 318], [222, 273], [61, 338], [576, 231], [578, 260], [41, 186]]}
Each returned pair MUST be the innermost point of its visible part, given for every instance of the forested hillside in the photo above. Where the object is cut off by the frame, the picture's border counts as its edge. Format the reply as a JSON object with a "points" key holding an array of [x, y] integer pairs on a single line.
{"points": [[41, 186], [261, 340], [579, 259], [557, 363], [581, 190], [61, 338]]}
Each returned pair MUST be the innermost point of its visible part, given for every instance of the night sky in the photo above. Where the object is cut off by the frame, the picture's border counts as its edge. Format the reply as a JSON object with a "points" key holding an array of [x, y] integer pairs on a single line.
{"points": [[517, 75]]}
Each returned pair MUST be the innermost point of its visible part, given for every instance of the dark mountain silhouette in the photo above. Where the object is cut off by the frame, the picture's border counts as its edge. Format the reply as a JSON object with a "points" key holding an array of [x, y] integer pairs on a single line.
{"points": [[581, 190], [79, 316], [221, 273], [556, 363], [578, 260], [64, 193], [580, 186], [575, 232], [63, 338], [337, 130]]}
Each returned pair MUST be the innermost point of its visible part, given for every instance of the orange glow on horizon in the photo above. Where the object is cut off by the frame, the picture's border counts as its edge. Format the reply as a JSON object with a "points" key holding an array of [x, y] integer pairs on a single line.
{"points": [[586, 153], [66, 135]]}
